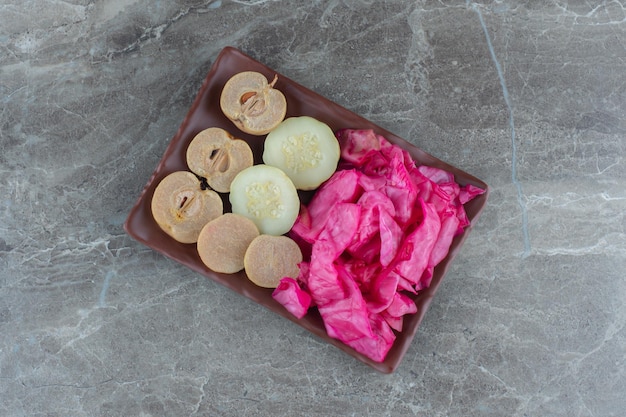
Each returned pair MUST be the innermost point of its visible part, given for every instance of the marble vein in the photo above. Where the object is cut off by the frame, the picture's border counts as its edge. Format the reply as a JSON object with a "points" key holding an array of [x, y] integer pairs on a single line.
{"points": [[93, 323], [509, 105], [105, 287]]}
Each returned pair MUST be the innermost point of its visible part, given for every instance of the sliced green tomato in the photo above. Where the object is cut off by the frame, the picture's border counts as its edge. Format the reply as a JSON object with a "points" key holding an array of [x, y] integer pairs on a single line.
{"points": [[265, 195], [305, 149]]}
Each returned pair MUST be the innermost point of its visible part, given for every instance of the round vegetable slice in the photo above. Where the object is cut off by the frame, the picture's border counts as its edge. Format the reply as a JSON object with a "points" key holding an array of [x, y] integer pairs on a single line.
{"points": [[181, 207], [305, 149], [269, 259], [218, 156], [265, 195], [222, 242], [253, 104]]}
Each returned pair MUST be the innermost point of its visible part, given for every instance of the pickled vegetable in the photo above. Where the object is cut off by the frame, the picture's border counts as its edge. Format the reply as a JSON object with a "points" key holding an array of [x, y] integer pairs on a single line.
{"points": [[223, 242], [181, 207], [253, 104], [305, 149], [270, 259], [266, 196], [216, 155]]}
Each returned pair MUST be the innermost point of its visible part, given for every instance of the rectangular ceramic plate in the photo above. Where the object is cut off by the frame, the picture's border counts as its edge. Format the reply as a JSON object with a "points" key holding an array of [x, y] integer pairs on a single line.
{"points": [[205, 112]]}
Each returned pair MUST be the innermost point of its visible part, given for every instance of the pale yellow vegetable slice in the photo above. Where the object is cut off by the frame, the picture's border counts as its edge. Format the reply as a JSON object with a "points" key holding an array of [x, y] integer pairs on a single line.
{"points": [[181, 207], [305, 148], [223, 242], [218, 156], [269, 259], [265, 195], [253, 104]]}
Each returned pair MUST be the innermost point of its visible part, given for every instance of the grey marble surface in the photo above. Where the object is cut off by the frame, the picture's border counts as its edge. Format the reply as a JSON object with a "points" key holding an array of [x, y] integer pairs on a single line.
{"points": [[529, 96]]}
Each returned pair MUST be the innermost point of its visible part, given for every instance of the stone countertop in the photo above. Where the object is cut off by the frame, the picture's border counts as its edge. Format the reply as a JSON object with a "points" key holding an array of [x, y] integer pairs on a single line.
{"points": [[531, 98]]}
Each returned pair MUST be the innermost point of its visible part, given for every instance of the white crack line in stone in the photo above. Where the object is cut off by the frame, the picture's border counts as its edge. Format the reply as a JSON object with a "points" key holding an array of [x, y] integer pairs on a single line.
{"points": [[507, 100], [105, 288], [251, 2]]}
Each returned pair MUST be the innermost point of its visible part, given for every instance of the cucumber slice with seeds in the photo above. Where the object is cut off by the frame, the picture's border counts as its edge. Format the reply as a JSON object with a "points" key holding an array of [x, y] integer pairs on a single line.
{"points": [[305, 149], [265, 195]]}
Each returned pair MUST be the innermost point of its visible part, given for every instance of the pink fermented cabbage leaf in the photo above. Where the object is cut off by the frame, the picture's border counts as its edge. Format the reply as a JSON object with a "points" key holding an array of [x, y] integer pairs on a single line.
{"points": [[342, 187], [292, 297], [391, 235], [358, 146], [376, 230]]}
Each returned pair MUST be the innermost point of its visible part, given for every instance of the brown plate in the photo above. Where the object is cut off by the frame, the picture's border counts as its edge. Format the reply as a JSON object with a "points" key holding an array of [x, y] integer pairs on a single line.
{"points": [[205, 112]]}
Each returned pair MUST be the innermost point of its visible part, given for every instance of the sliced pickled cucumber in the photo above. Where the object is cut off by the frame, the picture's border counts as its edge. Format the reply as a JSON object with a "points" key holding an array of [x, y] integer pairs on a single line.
{"points": [[305, 149], [267, 196]]}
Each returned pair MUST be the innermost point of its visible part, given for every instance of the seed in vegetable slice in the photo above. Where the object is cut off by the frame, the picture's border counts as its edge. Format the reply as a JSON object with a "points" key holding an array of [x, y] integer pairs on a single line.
{"points": [[253, 104], [270, 258], [218, 156], [223, 242], [305, 148], [265, 195], [181, 207]]}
